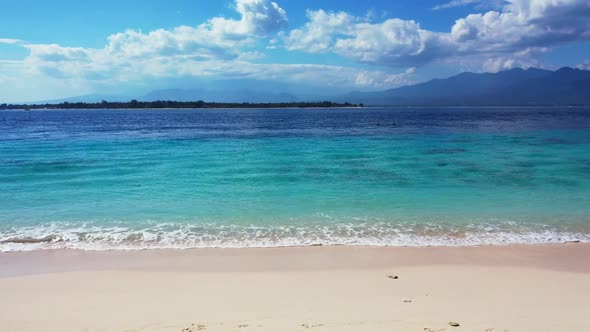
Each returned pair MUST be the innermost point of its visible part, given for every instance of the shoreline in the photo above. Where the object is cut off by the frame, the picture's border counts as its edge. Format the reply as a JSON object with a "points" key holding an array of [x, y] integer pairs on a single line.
{"points": [[332, 289], [212, 236]]}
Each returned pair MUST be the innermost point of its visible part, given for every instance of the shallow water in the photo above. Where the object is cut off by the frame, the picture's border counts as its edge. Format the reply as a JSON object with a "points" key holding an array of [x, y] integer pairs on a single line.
{"points": [[129, 179]]}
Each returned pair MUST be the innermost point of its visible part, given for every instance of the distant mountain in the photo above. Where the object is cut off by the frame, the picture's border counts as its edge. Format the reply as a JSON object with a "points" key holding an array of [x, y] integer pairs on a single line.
{"points": [[242, 90], [533, 86], [224, 96], [259, 93], [515, 87], [93, 98]]}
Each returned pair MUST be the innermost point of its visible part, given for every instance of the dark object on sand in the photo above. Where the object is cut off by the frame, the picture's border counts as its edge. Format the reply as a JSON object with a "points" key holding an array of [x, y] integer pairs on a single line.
{"points": [[392, 277], [454, 324]]}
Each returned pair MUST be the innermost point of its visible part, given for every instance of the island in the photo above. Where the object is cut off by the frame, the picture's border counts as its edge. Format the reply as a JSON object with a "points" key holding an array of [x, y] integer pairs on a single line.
{"points": [[135, 104]]}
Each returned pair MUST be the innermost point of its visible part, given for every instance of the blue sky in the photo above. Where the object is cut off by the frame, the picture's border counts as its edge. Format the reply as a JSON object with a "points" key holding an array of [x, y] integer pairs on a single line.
{"points": [[62, 48]]}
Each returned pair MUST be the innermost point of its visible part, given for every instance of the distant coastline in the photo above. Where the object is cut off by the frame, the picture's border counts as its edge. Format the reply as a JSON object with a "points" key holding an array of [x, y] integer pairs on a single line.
{"points": [[167, 104], [294, 105]]}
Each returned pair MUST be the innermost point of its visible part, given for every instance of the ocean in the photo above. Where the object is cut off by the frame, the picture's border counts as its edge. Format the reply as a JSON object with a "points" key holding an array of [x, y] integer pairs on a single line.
{"points": [[149, 179]]}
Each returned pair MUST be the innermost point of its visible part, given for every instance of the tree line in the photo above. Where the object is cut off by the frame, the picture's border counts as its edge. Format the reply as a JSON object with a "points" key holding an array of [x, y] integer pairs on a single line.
{"points": [[135, 104]]}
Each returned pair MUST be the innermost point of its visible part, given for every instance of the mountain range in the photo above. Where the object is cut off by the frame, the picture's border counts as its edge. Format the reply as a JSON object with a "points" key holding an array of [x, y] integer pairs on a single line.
{"points": [[514, 87]]}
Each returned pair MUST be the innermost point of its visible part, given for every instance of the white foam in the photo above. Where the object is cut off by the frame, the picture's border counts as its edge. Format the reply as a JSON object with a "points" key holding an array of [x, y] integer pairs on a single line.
{"points": [[88, 236]]}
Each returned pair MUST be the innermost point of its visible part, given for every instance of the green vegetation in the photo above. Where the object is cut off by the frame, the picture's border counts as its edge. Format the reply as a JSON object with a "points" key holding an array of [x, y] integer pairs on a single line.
{"points": [[172, 104]]}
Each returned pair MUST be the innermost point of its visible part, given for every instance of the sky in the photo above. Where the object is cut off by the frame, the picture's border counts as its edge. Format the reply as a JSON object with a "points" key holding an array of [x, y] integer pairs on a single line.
{"points": [[63, 48]]}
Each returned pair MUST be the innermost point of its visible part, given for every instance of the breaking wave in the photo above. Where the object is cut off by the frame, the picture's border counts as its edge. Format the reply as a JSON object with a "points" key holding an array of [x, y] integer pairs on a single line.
{"points": [[89, 236]]}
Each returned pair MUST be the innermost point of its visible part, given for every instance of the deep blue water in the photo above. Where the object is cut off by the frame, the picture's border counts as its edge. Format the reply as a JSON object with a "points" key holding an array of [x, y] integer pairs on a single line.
{"points": [[120, 179]]}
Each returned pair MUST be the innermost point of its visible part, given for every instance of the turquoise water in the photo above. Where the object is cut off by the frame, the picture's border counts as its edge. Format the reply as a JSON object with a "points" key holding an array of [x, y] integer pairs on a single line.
{"points": [[243, 178]]}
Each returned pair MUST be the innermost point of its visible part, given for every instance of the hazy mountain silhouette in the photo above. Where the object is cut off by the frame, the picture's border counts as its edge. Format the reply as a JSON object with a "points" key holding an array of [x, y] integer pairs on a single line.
{"points": [[242, 90], [225, 96], [91, 98], [515, 87], [533, 86]]}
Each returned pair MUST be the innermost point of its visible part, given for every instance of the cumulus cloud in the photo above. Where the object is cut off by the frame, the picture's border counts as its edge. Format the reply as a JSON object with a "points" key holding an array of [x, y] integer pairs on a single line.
{"points": [[393, 41], [521, 25], [524, 24], [261, 17], [319, 33], [383, 42], [129, 52], [219, 48]]}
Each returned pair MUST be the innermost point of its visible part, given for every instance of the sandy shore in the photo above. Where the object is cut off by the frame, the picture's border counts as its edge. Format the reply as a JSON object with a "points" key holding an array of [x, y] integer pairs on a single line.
{"points": [[515, 288]]}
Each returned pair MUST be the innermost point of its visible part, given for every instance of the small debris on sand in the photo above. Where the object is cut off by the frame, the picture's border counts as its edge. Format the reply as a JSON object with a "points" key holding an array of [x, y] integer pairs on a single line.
{"points": [[454, 324], [392, 277], [308, 326], [407, 301], [194, 328]]}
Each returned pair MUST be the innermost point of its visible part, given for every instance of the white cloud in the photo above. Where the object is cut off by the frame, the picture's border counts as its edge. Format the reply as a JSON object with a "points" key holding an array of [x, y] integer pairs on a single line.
{"points": [[374, 43], [19, 85], [521, 25], [91, 70], [524, 24], [251, 56], [455, 3], [318, 34], [218, 38], [493, 65], [382, 80], [10, 41], [394, 41], [135, 57], [131, 52], [584, 65], [316, 75], [261, 17], [219, 48], [8, 69]]}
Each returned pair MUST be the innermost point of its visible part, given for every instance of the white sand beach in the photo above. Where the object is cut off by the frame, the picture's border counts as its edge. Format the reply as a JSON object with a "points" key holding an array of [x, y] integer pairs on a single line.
{"points": [[512, 288]]}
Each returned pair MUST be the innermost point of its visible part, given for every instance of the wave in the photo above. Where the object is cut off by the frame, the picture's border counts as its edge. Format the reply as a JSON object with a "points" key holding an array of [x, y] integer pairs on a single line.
{"points": [[89, 236]]}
